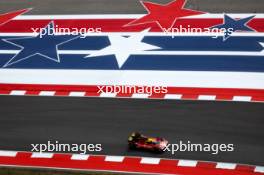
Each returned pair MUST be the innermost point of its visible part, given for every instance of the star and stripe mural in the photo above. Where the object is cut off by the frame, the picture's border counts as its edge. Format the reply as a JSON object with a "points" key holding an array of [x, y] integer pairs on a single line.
{"points": [[135, 49]]}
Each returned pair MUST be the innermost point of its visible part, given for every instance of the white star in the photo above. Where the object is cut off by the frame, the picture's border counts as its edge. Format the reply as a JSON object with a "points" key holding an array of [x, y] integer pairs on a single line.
{"points": [[122, 47], [262, 44]]}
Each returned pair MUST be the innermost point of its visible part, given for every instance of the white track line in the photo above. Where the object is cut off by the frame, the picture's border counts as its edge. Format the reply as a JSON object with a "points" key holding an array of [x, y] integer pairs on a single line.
{"points": [[114, 158], [47, 93], [169, 34], [187, 163], [8, 153], [104, 94], [42, 155], [206, 97], [148, 160], [229, 166], [136, 95], [242, 98], [199, 53], [77, 94], [259, 169], [173, 96], [79, 157], [17, 92], [197, 79], [130, 16]]}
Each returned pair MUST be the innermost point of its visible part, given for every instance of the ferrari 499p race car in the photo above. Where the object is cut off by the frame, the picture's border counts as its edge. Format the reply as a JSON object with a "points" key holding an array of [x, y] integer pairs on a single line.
{"points": [[139, 141]]}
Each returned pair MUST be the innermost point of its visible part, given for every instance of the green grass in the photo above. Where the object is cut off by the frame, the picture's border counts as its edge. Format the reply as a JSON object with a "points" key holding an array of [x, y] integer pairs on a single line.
{"points": [[27, 171]]}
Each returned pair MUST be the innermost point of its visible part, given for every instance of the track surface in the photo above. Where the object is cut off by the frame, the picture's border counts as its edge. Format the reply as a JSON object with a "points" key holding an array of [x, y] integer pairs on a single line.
{"points": [[26, 120], [127, 6]]}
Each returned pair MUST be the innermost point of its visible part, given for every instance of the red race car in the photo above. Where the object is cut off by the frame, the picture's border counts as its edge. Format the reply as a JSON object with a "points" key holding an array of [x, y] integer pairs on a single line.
{"points": [[139, 141]]}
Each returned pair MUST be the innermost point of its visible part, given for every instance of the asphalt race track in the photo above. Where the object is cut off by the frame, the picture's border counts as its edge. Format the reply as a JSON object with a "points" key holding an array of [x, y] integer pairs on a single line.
{"points": [[26, 120]]}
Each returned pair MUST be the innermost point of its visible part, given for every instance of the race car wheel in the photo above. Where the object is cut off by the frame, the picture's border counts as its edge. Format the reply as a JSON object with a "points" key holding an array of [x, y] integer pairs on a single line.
{"points": [[158, 150], [132, 146]]}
